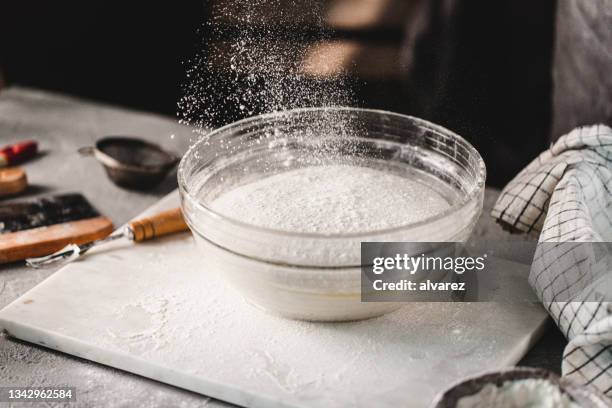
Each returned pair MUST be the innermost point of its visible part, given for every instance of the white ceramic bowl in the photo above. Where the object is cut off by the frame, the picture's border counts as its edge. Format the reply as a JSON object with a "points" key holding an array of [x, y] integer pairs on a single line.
{"points": [[275, 269]]}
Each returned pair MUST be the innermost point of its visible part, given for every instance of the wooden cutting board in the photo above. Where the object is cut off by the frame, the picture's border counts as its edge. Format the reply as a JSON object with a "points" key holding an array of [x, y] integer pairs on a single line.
{"points": [[40, 227], [153, 309]]}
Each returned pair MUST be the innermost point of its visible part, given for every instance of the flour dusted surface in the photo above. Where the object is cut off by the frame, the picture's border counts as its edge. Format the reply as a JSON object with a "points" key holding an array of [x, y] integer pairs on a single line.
{"points": [[331, 199]]}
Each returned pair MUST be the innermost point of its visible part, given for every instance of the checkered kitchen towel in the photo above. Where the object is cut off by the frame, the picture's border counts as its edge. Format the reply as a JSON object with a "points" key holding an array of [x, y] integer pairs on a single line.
{"points": [[565, 198]]}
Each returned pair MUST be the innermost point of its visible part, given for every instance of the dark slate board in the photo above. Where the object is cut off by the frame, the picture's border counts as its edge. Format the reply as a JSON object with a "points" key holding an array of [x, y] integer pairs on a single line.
{"points": [[44, 212]]}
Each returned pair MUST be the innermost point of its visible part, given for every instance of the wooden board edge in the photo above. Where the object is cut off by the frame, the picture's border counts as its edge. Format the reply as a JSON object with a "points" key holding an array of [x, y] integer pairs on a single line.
{"points": [[19, 245]]}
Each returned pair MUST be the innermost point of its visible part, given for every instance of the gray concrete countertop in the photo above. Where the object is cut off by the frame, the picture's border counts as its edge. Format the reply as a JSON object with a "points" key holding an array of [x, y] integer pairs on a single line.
{"points": [[62, 125]]}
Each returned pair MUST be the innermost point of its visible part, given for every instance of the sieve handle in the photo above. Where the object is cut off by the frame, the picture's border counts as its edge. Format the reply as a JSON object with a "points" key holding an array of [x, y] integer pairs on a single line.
{"points": [[163, 223]]}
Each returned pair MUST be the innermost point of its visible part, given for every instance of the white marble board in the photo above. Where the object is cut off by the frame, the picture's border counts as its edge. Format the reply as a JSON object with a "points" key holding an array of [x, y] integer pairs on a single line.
{"points": [[151, 309]]}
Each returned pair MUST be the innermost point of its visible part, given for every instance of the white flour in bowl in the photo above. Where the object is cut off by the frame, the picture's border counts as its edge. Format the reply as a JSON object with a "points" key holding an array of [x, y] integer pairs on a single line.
{"points": [[331, 199], [533, 393]]}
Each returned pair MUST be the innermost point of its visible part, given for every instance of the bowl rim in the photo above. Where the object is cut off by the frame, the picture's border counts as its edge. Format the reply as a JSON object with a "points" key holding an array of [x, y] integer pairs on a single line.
{"points": [[454, 208]]}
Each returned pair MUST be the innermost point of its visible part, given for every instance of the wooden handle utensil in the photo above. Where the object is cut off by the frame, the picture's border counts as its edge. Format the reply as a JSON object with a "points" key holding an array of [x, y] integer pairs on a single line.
{"points": [[163, 223], [144, 229]]}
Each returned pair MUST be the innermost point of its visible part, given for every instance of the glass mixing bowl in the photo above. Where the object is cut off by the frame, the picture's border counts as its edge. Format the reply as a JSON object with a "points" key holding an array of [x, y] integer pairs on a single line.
{"points": [[317, 276]]}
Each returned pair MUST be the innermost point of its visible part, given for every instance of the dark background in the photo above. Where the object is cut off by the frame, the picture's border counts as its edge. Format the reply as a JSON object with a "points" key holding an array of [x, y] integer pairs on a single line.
{"points": [[126, 53], [480, 67]]}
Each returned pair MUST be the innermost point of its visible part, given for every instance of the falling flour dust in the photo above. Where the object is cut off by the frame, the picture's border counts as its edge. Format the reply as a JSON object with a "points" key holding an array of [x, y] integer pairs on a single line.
{"points": [[331, 199], [256, 58]]}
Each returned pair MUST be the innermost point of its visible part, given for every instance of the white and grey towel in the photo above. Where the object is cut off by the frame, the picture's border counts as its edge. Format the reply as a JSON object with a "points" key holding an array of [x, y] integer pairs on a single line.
{"points": [[565, 196]]}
